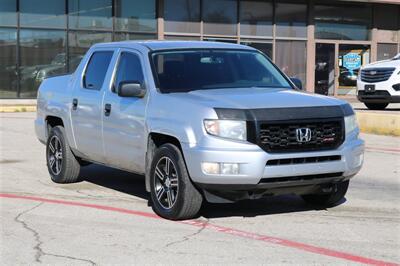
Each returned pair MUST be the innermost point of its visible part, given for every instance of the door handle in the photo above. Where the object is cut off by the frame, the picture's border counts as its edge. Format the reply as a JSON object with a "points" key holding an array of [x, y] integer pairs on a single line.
{"points": [[74, 104], [107, 109]]}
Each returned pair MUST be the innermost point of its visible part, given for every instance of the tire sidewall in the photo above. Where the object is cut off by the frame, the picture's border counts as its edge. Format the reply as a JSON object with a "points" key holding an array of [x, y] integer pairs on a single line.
{"points": [[167, 150], [59, 132], [376, 106]]}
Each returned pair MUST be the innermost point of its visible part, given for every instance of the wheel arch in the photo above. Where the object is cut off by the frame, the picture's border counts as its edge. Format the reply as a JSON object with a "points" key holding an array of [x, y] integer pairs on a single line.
{"points": [[155, 140], [53, 121]]}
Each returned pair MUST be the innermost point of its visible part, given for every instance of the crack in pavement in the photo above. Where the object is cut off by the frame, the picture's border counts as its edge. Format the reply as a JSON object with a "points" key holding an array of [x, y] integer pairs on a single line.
{"points": [[89, 195], [187, 237], [39, 242]]}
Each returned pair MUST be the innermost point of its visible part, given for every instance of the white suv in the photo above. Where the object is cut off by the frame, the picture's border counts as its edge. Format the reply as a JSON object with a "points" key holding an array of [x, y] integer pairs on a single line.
{"points": [[378, 83]]}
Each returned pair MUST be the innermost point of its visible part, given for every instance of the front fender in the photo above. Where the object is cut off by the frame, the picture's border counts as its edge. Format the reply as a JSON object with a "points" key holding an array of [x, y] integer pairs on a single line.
{"points": [[174, 128]]}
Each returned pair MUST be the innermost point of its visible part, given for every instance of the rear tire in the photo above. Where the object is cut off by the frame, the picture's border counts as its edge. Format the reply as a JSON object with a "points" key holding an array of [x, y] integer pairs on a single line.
{"points": [[173, 195], [328, 199], [376, 106], [62, 165]]}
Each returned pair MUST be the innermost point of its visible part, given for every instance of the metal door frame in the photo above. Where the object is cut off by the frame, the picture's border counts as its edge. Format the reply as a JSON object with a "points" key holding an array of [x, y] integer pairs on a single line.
{"points": [[337, 43]]}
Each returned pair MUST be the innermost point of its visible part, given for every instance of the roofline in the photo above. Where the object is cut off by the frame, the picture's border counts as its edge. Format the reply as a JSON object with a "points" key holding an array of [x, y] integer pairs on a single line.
{"points": [[160, 45]]}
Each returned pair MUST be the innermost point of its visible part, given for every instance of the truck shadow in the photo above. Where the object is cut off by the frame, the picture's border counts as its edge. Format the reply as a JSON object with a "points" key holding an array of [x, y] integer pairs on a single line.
{"points": [[260, 207], [121, 181], [134, 185]]}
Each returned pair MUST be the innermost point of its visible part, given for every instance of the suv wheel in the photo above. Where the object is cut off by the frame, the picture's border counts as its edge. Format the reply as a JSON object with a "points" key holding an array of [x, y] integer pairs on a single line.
{"points": [[376, 106], [328, 199], [172, 193], [61, 162]]}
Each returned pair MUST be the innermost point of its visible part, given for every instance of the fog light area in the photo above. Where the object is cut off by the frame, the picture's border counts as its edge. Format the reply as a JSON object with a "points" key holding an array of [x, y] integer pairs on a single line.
{"points": [[358, 160], [220, 168]]}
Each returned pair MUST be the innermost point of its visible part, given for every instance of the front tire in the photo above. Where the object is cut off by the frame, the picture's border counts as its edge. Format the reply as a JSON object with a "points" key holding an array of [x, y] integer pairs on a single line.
{"points": [[328, 199], [173, 195], [376, 106], [62, 165]]}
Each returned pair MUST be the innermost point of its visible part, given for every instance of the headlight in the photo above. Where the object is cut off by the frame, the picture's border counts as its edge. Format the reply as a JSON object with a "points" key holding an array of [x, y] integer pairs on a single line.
{"points": [[350, 123], [231, 129]]}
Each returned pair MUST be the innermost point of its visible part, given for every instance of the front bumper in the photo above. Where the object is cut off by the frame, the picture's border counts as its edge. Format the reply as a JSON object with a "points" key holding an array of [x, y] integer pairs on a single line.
{"points": [[254, 169], [384, 91]]}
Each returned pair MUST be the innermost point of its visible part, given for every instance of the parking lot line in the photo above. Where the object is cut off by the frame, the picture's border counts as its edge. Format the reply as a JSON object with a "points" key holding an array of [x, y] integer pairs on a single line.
{"points": [[221, 229]]}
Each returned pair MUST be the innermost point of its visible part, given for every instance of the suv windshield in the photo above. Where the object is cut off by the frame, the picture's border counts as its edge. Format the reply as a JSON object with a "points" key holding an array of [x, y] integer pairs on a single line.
{"points": [[188, 70]]}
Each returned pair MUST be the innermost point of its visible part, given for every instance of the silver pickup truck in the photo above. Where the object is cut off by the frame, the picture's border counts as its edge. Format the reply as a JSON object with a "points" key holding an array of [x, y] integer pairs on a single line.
{"points": [[200, 120]]}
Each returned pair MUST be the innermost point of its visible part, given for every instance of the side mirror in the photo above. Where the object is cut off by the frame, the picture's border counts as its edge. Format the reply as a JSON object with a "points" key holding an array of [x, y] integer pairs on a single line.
{"points": [[297, 83], [131, 89]]}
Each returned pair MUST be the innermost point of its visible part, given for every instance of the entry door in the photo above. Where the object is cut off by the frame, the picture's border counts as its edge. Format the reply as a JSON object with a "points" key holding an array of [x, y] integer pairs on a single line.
{"points": [[124, 131], [351, 57], [325, 68], [86, 110]]}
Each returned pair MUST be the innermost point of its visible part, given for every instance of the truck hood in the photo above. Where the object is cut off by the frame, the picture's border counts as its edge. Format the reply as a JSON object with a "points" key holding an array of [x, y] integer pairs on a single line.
{"points": [[252, 98]]}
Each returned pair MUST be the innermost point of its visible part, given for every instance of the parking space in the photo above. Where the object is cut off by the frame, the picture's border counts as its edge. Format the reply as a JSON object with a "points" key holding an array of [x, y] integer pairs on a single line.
{"points": [[106, 218]]}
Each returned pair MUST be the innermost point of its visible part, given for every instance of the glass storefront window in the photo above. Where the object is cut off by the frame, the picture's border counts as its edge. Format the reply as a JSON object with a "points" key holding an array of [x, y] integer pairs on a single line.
{"points": [[42, 56], [124, 36], [291, 20], [80, 42], [90, 14], [8, 15], [264, 47], [345, 22], [182, 16], [39, 13], [220, 40], [387, 17], [256, 18], [8, 63], [220, 17], [386, 51], [324, 82], [182, 38], [291, 58], [387, 22], [136, 15]]}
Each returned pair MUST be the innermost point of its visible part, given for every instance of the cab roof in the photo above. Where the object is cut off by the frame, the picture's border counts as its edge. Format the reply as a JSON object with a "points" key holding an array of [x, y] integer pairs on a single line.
{"points": [[170, 45]]}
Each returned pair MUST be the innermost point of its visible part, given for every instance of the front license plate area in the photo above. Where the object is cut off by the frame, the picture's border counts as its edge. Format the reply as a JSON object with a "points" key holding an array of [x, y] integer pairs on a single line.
{"points": [[369, 88]]}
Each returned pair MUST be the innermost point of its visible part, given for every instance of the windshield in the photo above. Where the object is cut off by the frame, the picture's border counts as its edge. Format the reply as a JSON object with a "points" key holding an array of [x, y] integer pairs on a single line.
{"points": [[188, 70]]}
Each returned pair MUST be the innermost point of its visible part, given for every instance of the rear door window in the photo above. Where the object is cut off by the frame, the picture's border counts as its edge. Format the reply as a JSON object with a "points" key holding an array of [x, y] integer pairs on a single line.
{"points": [[96, 70]]}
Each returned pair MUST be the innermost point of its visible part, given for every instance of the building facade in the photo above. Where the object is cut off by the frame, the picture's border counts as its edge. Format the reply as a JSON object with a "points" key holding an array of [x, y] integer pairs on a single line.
{"points": [[323, 43]]}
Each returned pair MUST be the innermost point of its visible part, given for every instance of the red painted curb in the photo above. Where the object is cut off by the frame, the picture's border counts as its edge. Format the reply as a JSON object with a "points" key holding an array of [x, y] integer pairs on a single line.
{"points": [[222, 229]]}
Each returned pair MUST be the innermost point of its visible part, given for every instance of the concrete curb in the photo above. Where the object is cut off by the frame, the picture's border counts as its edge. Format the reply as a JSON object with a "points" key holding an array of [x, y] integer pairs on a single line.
{"points": [[370, 122], [379, 123], [17, 108]]}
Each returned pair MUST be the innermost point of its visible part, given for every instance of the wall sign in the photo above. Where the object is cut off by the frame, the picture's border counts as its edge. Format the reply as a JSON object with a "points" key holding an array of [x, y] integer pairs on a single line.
{"points": [[352, 61]]}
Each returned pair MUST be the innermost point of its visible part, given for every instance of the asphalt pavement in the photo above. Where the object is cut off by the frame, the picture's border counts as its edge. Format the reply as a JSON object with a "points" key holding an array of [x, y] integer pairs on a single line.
{"points": [[106, 218]]}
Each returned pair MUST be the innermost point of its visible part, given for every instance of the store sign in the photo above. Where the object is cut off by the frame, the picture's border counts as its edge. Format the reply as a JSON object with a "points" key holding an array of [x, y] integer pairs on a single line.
{"points": [[352, 61]]}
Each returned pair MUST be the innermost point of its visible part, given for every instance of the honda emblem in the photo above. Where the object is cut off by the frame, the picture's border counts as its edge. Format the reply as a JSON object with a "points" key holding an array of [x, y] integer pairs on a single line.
{"points": [[303, 134]]}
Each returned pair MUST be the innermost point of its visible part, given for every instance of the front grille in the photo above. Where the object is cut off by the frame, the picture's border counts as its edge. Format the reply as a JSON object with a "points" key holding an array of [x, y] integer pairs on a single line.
{"points": [[281, 136], [303, 160], [373, 75]]}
